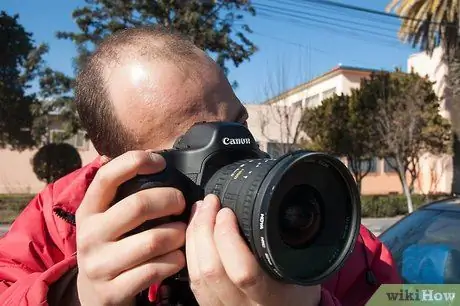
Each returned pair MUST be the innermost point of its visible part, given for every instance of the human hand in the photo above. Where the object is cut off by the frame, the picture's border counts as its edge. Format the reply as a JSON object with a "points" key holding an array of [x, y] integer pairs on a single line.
{"points": [[223, 270], [114, 268]]}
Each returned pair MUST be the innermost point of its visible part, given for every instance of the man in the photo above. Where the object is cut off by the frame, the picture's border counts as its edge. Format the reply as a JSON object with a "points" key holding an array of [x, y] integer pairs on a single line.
{"points": [[140, 90]]}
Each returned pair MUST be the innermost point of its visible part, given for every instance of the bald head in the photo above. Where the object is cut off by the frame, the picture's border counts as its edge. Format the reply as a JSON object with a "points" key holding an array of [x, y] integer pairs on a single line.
{"points": [[142, 88]]}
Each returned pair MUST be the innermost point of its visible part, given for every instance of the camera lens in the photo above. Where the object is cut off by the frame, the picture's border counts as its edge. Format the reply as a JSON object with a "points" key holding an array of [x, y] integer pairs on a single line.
{"points": [[300, 214]]}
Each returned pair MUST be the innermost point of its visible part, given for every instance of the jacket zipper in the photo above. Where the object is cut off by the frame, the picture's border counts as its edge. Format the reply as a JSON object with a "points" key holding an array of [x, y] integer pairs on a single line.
{"points": [[65, 215]]}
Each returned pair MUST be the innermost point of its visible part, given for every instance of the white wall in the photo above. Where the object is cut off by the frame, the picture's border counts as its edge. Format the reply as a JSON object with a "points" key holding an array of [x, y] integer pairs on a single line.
{"points": [[436, 69]]}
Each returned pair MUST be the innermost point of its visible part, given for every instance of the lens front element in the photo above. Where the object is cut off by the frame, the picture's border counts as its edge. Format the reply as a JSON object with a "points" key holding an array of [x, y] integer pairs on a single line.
{"points": [[300, 214]]}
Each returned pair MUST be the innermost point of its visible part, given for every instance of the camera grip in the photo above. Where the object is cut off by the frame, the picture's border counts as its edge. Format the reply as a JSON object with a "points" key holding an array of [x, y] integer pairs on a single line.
{"points": [[169, 177], [142, 182]]}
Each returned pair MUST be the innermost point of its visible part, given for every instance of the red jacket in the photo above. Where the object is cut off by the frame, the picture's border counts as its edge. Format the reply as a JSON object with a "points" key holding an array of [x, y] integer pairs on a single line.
{"points": [[40, 248]]}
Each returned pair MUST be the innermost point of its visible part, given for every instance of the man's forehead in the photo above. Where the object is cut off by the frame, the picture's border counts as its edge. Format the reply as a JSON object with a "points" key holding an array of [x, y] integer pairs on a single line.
{"points": [[143, 91]]}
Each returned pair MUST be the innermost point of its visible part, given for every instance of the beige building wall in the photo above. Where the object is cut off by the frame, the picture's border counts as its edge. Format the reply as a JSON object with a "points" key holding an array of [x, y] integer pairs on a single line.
{"points": [[433, 67], [16, 171], [266, 124]]}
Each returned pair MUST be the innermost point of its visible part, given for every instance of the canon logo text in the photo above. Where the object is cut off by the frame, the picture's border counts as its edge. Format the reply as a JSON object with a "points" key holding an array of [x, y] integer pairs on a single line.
{"points": [[235, 141]]}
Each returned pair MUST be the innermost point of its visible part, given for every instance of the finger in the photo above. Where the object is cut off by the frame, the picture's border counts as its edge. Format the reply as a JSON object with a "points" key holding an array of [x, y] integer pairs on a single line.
{"points": [[211, 269], [132, 211], [124, 167], [119, 256], [198, 286], [135, 280], [190, 249], [237, 259]]}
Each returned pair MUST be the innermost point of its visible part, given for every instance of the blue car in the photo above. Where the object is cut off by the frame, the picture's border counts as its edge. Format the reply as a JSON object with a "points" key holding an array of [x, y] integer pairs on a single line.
{"points": [[426, 243]]}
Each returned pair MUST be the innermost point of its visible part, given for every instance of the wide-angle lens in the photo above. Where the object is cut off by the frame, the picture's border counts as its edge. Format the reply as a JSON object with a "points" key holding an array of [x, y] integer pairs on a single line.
{"points": [[300, 214]]}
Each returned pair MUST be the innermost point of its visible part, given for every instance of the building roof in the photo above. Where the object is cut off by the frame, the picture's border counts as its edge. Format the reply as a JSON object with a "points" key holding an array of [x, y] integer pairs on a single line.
{"points": [[340, 69]]}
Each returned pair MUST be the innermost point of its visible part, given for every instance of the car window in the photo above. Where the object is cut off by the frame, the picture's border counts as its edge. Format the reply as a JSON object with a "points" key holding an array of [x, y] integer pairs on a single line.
{"points": [[427, 230]]}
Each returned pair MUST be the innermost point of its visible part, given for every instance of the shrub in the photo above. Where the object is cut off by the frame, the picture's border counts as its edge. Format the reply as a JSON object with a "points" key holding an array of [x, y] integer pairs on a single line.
{"points": [[379, 206], [11, 205], [54, 161]]}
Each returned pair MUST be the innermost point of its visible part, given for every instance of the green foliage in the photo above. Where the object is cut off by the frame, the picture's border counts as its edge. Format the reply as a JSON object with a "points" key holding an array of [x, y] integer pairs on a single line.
{"points": [[210, 24], [428, 23], [381, 206], [340, 126], [392, 115], [24, 117], [406, 117], [55, 160], [56, 91], [20, 63], [11, 206], [436, 23]]}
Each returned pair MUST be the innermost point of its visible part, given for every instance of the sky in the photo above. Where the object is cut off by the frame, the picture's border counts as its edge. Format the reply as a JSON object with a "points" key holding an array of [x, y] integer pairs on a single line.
{"points": [[296, 39]]}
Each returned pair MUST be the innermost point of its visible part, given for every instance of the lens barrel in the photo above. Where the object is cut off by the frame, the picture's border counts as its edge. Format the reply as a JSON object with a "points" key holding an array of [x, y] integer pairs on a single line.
{"points": [[300, 214]]}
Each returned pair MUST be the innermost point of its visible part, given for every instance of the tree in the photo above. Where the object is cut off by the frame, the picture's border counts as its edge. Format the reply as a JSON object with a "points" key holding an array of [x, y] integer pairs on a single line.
{"points": [[407, 121], [340, 125], [20, 63], [55, 160], [285, 119], [429, 24], [57, 102], [280, 117], [210, 24]]}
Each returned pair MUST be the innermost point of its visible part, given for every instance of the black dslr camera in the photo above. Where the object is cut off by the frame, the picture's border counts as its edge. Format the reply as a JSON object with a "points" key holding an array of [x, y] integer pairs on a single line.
{"points": [[300, 213]]}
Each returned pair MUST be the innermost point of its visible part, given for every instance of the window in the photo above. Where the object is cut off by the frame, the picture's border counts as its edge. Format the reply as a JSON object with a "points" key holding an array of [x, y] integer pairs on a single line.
{"points": [[312, 101], [389, 164], [297, 104], [328, 93], [418, 241], [56, 136], [365, 165], [78, 140]]}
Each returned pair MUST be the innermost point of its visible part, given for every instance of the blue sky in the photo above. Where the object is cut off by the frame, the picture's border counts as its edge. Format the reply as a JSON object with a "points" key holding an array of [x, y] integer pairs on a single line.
{"points": [[324, 38]]}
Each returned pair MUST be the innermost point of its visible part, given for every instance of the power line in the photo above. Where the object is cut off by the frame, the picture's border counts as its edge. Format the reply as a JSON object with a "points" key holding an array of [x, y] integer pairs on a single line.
{"points": [[374, 12], [299, 19], [326, 27], [328, 19], [282, 10], [308, 47], [329, 9]]}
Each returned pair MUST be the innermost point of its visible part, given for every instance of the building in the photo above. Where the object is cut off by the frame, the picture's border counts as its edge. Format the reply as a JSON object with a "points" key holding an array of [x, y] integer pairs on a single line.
{"points": [[436, 70], [274, 125], [274, 133], [433, 67], [16, 172]]}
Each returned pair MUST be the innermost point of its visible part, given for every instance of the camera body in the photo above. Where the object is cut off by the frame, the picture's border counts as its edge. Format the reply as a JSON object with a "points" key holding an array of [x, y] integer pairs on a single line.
{"points": [[194, 158], [299, 214]]}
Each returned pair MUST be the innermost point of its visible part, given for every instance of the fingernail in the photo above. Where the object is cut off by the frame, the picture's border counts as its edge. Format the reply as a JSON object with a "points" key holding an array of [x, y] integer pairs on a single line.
{"points": [[211, 197], [155, 157]]}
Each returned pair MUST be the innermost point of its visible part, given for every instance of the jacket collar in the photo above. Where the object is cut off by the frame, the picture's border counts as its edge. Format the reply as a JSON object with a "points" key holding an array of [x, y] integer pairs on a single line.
{"points": [[69, 191]]}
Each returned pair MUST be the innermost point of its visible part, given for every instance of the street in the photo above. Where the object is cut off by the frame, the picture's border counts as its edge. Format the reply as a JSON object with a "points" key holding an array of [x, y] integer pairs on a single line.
{"points": [[376, 225]]}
